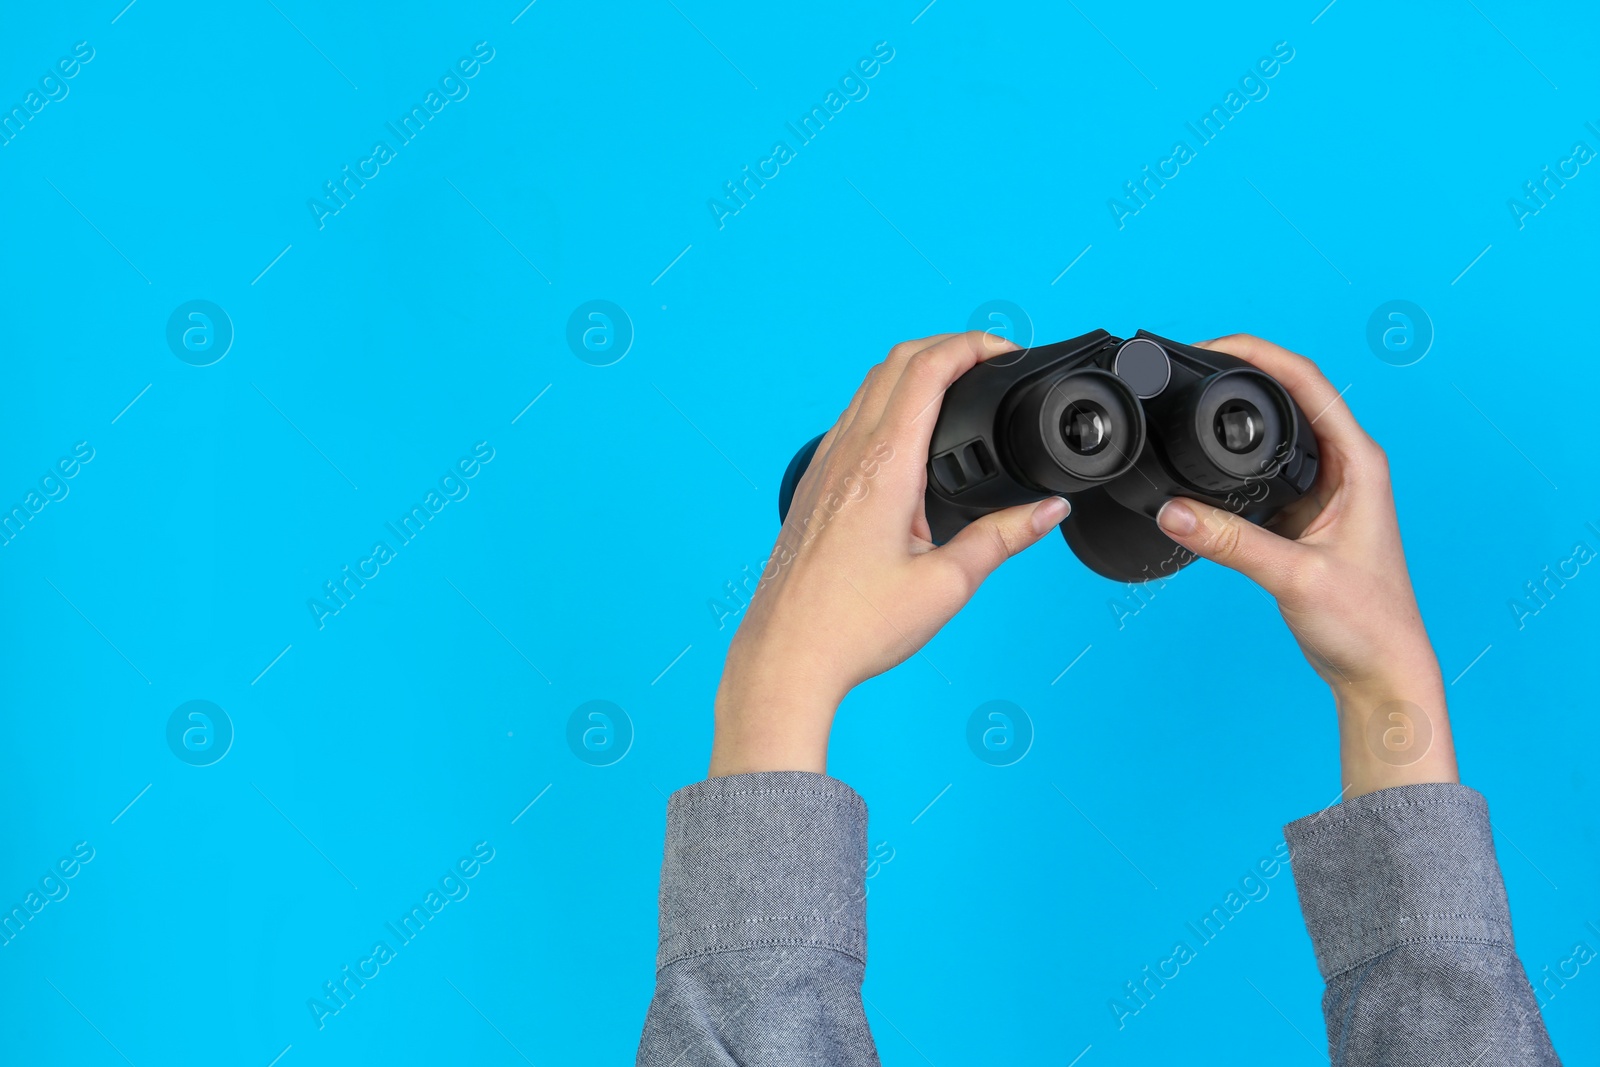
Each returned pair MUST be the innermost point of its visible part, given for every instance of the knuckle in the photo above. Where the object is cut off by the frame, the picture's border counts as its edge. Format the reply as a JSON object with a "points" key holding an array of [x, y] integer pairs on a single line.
{"points": [[1225, 538], [1292, 368], [1007, 543], [925, 364], [901, 352], [1307, 577], [962, 581], [983, 343], [1374, 460], [1242, 345]]}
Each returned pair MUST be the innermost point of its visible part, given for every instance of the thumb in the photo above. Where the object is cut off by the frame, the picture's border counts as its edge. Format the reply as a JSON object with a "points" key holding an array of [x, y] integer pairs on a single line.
{"points": [[988, 542], [1235, 542]]}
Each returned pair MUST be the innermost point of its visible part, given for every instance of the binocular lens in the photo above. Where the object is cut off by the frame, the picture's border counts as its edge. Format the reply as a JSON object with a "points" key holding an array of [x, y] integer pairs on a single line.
{"points": [[1238, 426], [1085, 427]]}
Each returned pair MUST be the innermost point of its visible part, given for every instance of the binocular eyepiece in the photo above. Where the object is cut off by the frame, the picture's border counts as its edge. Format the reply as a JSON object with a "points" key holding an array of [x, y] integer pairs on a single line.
{"points": [[1068, 432], [1118, 427]]}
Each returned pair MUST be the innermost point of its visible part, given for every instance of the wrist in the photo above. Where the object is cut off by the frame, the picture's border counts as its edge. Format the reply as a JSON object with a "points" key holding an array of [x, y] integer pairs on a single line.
{"points": [[1394, 729], [771, 723]]}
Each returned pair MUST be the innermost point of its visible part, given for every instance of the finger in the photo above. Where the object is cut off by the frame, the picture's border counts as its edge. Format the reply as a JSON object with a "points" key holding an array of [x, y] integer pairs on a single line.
{"points": [[1236, 543], [811, 483], [888, 373], [874, 381], [1323, 404], [913, 407], [865, 406], [860, 401], [974, 553], [846, 417]]}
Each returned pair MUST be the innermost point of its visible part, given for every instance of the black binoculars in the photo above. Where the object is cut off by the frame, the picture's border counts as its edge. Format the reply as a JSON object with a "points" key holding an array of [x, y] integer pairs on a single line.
{"points": [[1118, 427]]}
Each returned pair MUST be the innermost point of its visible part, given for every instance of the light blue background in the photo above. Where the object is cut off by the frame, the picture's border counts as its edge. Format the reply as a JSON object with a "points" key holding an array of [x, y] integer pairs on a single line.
{"points": [[420, 320]]}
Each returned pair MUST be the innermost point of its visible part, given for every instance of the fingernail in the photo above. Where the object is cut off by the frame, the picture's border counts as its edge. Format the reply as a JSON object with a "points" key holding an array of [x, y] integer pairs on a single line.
{"points": [[1049, 513], [1176, 517]]}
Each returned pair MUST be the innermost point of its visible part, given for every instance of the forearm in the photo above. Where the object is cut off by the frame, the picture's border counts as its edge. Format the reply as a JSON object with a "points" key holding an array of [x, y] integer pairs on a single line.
{"points": [[1407, 912], [763, 926]]}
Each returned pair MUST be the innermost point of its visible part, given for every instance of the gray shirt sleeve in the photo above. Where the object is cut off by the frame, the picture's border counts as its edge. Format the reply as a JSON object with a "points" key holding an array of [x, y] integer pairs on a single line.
{"points": [[763, 929], [763, 926], [1408, 916]]}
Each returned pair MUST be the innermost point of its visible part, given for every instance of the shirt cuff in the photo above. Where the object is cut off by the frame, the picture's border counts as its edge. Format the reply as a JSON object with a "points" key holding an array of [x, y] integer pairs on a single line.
{"points": [[1410, 864], [768, 859]]}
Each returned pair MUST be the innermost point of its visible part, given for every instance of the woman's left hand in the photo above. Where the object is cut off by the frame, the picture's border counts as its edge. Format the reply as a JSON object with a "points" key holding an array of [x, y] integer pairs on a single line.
{"points": [[855, 583]]}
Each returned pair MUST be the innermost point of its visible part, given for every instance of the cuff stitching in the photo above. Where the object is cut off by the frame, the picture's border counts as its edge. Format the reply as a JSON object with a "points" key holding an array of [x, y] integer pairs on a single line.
{"points": [[1368, 930], [1405, 941], [685, 797], [1310, 832], [764, 919], [739, 946]]}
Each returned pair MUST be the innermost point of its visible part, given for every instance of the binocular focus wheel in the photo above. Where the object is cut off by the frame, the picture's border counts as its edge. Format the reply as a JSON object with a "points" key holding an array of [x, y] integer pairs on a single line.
{"points": [[1118, 543]]}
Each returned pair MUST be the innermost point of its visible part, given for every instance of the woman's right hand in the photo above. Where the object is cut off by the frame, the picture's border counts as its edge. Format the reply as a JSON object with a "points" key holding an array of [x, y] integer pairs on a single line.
{"points": [[1335, 565]]}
